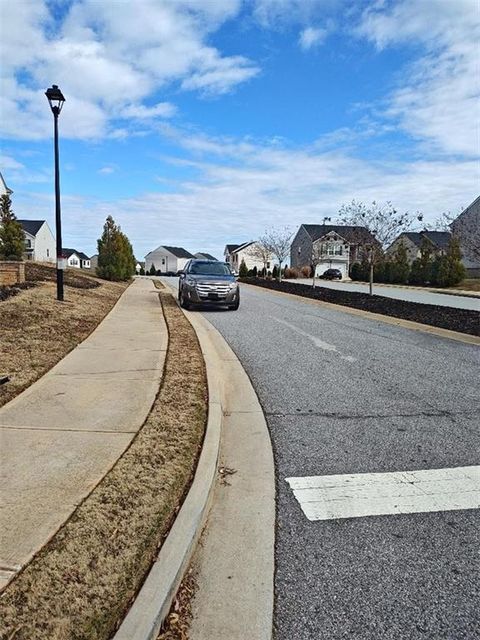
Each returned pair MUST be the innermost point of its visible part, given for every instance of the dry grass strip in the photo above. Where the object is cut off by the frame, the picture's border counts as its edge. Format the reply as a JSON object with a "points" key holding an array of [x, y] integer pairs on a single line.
{"points": [[36, 331], [81, 584]]}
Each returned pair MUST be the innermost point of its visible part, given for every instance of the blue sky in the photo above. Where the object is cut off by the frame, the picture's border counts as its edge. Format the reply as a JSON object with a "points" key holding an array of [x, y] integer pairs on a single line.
{"points": [[202, 122]]}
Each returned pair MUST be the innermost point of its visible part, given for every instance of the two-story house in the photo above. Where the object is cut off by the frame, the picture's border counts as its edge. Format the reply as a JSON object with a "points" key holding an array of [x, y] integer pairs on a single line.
{"points": [[413, 241], [235, 254], [327, 246], [39, 241]]}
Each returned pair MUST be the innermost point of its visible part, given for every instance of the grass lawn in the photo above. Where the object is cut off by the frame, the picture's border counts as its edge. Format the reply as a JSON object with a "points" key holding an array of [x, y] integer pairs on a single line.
{"points": [[470, 284], [80, 585], [36, 331]]}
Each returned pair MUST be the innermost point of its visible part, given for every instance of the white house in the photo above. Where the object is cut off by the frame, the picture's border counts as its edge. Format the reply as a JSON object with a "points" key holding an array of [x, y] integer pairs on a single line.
{"points": [[76, 259], [73, 258], [167, 259], [4, 190], [236, 253], [331, 251], [39, 241]]}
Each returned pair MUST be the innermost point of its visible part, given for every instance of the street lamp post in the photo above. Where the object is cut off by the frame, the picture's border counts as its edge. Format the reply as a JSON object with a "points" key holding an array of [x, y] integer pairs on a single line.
{"points": [[56, 100]]}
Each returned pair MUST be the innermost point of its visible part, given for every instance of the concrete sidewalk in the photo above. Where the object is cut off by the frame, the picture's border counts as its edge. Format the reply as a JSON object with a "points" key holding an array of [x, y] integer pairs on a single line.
{"points": [[61, 435]]}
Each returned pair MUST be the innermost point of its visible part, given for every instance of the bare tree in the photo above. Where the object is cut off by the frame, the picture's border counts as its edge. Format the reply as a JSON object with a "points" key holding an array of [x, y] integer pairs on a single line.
{"points": [[383, 219], [383, 222], [259, 251], [278, 242]]}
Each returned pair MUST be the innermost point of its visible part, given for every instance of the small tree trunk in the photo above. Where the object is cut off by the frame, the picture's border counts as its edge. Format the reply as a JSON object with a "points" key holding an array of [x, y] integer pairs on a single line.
{"points": [[371, 279], [314, 275], [279, 270]]}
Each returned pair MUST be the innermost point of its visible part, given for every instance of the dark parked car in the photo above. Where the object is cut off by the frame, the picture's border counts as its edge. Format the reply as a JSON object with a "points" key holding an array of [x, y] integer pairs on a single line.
{"points": [[208, 282], [332, 274]]}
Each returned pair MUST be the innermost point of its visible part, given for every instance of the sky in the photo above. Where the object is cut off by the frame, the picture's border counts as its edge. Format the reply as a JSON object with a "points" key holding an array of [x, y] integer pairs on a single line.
{"points": [[198, 123]]}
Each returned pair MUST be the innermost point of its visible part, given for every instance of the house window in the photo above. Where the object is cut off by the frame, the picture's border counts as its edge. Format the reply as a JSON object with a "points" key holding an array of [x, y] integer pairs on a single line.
{"points": [[48, 253], [28, 243], [163, 260], [268, 265]]}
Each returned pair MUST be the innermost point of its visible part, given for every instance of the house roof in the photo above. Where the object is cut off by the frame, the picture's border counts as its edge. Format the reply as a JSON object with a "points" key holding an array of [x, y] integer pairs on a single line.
{"points": [[32, 226], [239, 247], [353, 234], [232, 247], [178, 252], [66, 253], [438, 238], [207, 256], [5, 189]]}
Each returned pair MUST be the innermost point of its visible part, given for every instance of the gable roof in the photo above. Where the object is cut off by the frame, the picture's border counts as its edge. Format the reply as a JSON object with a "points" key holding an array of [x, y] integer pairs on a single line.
{"points": [[82, 255], [353, 234], [32, 226], [178, 252], [5, 189], [66, 253], [439, 239], [229, 248], [207, 256], [240, 247]]}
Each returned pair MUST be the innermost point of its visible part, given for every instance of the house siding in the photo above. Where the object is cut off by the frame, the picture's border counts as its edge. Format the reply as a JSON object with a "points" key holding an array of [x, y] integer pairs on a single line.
{"points": [[301, 249], [44, 247], [468, 224], [164, 261], [250, 261], [413, 252]]}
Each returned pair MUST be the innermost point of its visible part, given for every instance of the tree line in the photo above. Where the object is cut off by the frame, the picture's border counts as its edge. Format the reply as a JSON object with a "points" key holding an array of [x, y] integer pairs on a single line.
{"points": [[116, 260]]}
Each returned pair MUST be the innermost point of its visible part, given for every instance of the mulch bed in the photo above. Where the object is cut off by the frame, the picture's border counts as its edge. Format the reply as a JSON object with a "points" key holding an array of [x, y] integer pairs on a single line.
{"points": [[8, 292], [38, 272], [462, 320]]}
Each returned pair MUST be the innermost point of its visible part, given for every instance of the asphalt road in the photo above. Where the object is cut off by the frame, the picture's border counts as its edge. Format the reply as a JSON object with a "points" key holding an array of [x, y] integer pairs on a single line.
{"points": [[347, 395], [401, 293]]}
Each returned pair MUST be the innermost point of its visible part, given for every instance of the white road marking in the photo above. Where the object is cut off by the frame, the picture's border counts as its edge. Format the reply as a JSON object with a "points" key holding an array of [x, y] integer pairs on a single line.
{"points": [[374, 494], [316, 341]]}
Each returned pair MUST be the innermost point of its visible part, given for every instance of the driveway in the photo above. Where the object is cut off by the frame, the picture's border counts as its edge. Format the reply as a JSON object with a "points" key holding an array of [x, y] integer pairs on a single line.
{"points": [[402, 293], [344, 396]]}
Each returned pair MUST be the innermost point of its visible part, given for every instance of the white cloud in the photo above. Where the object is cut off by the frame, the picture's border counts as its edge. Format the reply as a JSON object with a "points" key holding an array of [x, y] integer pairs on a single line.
{"points": [[262, 184], [437, 98], [106, 170], [141, 112], [275, 13], [10, 164], [108, 58], [311, 37]]}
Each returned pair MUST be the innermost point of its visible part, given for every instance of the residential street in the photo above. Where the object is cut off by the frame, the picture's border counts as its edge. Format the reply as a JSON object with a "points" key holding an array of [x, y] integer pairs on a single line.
{"points": [[348, 395], [402, 293]]}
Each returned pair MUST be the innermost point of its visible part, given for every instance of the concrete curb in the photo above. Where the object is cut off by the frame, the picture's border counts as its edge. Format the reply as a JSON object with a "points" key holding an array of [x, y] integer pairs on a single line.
{"points": [[153, 602]]}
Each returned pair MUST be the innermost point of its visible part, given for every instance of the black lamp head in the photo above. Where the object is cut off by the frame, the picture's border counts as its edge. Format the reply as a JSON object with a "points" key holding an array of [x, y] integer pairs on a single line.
{"points": [[55, 98]]}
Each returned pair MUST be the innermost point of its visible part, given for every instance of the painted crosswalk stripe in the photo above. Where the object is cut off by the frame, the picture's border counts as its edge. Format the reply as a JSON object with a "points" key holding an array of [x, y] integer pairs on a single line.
{"points": [[374, 494]]}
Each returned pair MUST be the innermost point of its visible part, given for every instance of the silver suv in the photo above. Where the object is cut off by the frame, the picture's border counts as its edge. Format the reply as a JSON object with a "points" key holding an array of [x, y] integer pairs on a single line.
{"points": [[208, 282]]}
